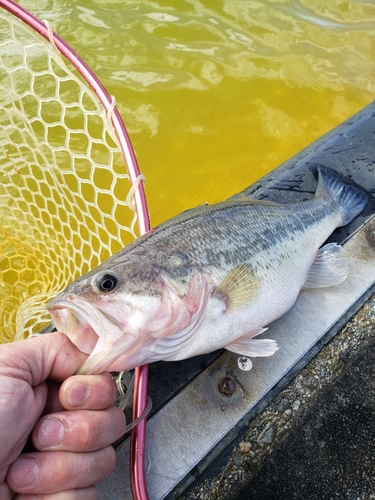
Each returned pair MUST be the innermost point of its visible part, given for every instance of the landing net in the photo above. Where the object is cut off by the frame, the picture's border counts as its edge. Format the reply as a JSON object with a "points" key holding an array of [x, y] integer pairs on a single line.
{"points": [[66, 194]]}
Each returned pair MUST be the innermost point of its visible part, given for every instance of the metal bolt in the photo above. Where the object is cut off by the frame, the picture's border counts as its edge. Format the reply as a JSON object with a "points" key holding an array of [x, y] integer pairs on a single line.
{"points": [[227, 386]]}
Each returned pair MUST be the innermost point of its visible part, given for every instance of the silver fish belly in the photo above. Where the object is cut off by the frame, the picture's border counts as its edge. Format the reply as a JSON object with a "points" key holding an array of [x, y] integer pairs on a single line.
{"points": [[210, 278]]}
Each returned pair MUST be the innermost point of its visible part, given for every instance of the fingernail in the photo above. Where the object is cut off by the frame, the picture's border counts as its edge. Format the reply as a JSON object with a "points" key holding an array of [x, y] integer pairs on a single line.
{"points": [[24, 472], [50, 433], [78, 394]]}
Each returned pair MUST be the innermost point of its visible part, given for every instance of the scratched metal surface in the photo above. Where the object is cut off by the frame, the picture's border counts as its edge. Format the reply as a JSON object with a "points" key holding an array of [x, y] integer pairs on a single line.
{"points": [[192, 417]]}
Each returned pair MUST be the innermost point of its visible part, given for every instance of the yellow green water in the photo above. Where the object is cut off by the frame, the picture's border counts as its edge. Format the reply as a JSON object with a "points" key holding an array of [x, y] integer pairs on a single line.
{"points": [[216, 94]]}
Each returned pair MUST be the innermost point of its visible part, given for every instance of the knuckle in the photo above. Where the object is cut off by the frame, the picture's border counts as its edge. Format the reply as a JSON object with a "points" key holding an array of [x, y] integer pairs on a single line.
{"points": [[119, 421], [89, 430], [86, 432], [107, 461], [104, 391]]}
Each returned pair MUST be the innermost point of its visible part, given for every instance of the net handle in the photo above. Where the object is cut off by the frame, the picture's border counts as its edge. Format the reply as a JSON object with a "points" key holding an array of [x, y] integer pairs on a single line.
{"points": [[104, 98], [138, 437]]}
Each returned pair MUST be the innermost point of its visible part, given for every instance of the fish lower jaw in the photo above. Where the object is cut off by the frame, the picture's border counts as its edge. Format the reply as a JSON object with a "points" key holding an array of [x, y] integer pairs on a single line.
{"points": [[85, 323], [92, 364], [108, 357]]}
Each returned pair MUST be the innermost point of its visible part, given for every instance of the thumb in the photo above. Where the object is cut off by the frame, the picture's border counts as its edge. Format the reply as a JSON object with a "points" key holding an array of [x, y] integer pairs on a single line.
{"points": [[51, 355]]}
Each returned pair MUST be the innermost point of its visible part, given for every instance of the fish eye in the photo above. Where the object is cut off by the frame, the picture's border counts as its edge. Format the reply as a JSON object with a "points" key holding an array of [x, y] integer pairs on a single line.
{"points": [[106, 282]]}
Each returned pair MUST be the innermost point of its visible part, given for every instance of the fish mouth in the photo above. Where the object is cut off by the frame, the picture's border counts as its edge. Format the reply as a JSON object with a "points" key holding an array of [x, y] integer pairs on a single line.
{"points": [[92, 330]]}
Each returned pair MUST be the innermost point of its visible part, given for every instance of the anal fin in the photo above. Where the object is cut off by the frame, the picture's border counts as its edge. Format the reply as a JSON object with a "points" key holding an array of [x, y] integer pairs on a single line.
{"points": [[248, 346], [328, 268]]}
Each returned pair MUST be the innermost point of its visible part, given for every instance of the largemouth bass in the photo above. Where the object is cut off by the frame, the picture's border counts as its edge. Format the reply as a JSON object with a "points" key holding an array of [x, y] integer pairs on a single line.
{"points": [[213, 277]]}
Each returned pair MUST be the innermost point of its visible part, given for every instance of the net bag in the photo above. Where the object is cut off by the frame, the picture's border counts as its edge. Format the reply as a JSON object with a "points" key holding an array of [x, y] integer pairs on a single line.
{"points": [[66, 194]]}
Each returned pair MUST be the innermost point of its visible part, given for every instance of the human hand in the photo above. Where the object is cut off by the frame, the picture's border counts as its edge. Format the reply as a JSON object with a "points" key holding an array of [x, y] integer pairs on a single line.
{"points": [[69, 418]]}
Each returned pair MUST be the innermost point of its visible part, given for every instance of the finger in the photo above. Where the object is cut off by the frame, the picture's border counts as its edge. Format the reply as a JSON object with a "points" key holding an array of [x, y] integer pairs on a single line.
{"points": [[5, 493], [35, 359], [50, 472], [92, 392], [80, 430], [80, 494], [16, 425], [53, 403]]}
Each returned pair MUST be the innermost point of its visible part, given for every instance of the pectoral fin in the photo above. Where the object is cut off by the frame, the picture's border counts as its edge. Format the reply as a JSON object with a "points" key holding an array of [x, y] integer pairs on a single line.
{"points": [[239, 287], [328, 268], [248, 346]]}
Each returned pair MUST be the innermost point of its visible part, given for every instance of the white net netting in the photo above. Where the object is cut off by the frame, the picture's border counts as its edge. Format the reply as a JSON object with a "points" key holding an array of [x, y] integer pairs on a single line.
{"points": [[63, 179]]}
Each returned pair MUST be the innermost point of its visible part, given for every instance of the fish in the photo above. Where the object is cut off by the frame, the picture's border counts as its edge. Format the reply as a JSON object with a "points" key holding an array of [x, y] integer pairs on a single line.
{"points": [[212, 277]]}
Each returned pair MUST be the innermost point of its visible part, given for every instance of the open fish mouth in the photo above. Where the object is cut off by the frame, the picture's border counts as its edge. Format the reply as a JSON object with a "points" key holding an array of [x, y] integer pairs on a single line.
{"points": [[93, 331]]}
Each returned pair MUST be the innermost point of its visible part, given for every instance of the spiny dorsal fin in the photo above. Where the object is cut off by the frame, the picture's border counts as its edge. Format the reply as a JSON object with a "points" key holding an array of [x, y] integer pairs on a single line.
{"points": [[328, 269], [253, 201], [239, 287]]}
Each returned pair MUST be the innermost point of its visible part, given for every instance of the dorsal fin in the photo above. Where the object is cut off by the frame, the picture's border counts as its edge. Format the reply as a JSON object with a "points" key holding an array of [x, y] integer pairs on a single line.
{"points": [[242, 197]]}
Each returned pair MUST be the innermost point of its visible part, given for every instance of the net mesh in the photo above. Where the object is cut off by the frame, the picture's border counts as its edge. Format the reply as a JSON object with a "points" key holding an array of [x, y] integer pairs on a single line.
{"points": [[63, 179]]}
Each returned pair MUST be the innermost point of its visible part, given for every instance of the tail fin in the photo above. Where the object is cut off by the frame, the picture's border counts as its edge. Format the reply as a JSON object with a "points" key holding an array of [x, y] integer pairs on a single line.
{"points": [[351, 200]]}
